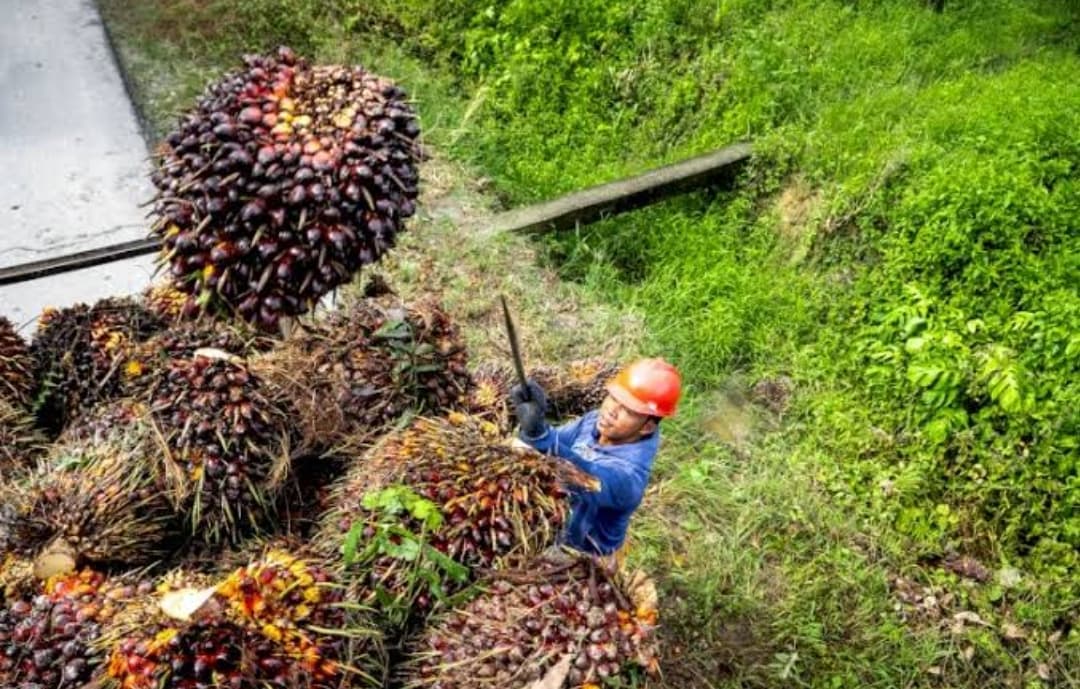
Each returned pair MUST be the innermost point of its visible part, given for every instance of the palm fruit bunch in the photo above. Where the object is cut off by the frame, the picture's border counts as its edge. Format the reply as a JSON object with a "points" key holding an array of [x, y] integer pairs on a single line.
{"points": [[20, 442], [227, 443], [16, 366], [560, 609], [153, 642], [293, 601], [576, 388], [358, 372], [181, 339], [497, 502], [78, 353], [98, 502], [275, 623], [282, 182], [202, 654], [48, 640], [572, 390]]}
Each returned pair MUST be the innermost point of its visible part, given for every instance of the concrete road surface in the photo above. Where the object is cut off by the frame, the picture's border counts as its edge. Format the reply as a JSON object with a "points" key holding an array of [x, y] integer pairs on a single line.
{"points": [[73, 163]]}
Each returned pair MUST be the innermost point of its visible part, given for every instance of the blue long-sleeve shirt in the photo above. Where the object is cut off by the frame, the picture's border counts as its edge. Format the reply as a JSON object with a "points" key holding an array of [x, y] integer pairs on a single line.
{"points": [[599, 520]]}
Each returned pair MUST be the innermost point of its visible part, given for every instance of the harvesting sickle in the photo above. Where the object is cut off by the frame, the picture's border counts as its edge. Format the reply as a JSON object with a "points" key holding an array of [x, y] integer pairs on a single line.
{"points": [[515, 347]]}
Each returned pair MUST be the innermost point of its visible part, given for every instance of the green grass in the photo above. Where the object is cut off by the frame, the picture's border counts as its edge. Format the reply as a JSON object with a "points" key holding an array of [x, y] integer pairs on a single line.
{"points": [[903, 249]]}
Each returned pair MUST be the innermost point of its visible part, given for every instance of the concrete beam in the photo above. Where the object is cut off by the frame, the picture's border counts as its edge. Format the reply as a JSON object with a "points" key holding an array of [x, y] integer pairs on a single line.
{"points": [[594, 203]]}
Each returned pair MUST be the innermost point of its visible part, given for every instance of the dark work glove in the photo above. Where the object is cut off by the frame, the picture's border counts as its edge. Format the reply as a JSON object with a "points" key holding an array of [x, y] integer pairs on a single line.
{"points": [[530, 413]]}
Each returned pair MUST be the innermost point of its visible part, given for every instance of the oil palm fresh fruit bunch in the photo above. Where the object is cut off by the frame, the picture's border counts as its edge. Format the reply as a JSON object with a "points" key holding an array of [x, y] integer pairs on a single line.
{"points": [[99, 502], [577, 387], [20, 442], [228, 443], [276, 622], [295, 602], [154, 642], [282, 182], [206, 653], [214, 444], [48, 639], [16, 366], [572, 390], [559, 609], [495, 503], [78, 353], [181, 339], [355, 374]]}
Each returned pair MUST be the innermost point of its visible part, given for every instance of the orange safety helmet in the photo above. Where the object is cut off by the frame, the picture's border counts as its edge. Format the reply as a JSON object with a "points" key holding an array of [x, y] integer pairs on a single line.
{"points": [[647, 386]]}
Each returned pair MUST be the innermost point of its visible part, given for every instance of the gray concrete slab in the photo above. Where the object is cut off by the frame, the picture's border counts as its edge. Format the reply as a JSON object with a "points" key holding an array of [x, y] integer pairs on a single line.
{"points": [[594, 203], [73, 164]]}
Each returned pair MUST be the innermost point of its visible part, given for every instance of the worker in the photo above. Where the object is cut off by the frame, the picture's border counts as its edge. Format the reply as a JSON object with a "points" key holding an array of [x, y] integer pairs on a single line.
{"points": [[615, 444]]}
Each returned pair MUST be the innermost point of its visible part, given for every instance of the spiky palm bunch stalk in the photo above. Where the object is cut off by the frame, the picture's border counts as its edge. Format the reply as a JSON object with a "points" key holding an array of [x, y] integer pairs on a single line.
{"points": [[282, 182], [20, 442], [227, 444], [361, 370], [16, 366], [562, 609], [48, 639], [79, 352], [489, 394], [497, 503], [97, 500], [572, 390]]}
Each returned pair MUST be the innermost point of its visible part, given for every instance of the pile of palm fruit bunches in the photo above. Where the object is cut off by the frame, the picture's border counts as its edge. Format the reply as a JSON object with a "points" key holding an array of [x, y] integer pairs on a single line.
{"points": [[199, 488]]}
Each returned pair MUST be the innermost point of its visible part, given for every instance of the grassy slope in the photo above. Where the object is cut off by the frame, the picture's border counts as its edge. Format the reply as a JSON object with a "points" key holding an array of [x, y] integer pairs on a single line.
{"points": [[774, 538]]}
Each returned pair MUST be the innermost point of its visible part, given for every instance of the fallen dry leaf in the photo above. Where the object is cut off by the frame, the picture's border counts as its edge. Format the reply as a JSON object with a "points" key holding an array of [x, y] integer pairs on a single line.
{"points": [[1013, 632], [556, 675], [968, 617]]}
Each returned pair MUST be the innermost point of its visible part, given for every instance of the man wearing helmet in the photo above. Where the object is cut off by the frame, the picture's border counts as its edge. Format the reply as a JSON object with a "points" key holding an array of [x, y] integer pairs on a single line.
{"points": [[615, 444]]}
